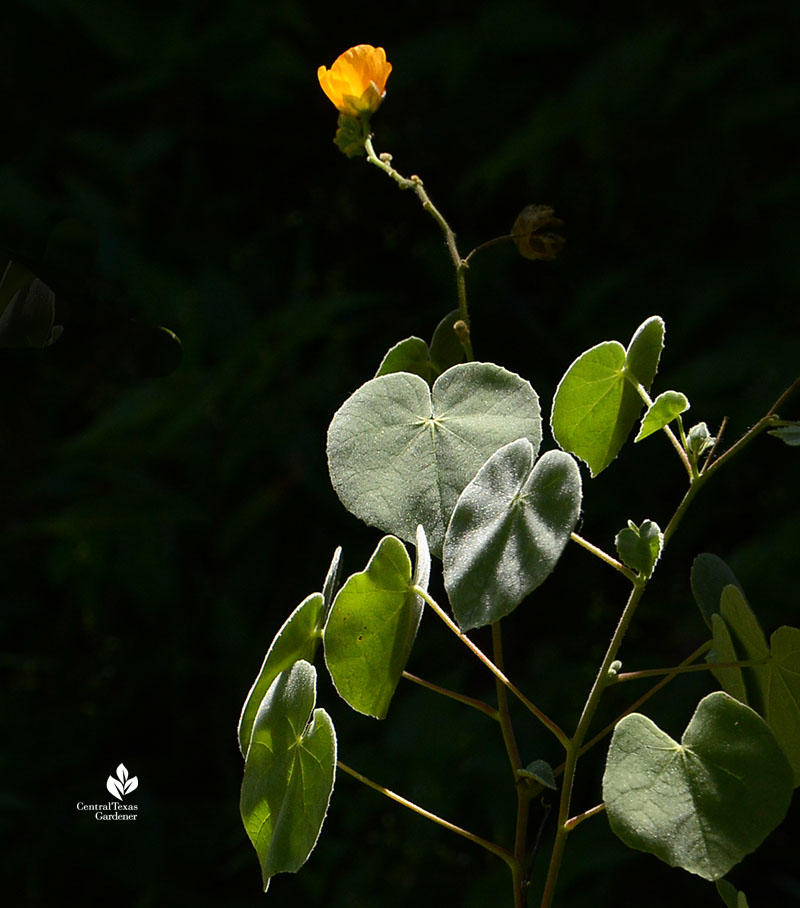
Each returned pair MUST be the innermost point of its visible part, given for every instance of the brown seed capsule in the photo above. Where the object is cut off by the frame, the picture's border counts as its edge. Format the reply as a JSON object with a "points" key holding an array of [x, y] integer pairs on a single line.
{"points": [[533, 232]]}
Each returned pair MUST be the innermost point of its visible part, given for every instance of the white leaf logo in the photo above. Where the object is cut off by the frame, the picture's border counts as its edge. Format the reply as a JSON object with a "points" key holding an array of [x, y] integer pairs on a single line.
{"points": [[123, 784]]}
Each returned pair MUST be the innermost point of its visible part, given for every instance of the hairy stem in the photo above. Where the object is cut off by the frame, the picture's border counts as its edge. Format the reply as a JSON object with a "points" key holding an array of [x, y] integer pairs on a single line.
{"points": [[701, 650], [683, 669], [490, 711], [576, 820], [545, 720], [523, 799], [574, 746], [446, 824], [459, 263], [604, 556]]}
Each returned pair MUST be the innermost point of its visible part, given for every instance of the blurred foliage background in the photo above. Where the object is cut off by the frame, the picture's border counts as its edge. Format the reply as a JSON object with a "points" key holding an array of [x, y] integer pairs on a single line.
{"points": [[165, 505]]}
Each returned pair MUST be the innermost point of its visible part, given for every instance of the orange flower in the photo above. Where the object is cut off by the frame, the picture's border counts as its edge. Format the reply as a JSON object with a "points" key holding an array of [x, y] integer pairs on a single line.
{"points": [[356, 83]]}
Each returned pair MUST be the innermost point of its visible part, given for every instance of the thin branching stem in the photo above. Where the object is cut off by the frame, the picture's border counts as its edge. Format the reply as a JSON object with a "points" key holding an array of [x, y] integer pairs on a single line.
{"points": [[579, 818], [460, 264], [574, 745], [498, 850], [448, 621], [683, 669], [604, 556], [701, 650], [523, 800], [485, 708]]}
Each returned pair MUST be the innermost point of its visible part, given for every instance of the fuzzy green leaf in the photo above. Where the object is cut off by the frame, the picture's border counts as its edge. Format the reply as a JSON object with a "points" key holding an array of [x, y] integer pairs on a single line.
{"points": [[298, 638], [706, 802], [640, 547], [508, 531], [661, 412], [289, 773], [401, 453], [372, 626], [596, 405]]}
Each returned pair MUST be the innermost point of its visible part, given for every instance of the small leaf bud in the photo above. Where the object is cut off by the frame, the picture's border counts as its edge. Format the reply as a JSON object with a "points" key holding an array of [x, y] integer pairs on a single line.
{"points": [[698, 440], [461, 329]]}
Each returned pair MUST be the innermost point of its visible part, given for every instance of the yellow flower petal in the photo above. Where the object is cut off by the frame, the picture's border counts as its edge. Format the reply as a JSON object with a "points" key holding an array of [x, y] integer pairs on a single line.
{"points": [[356, 83]]}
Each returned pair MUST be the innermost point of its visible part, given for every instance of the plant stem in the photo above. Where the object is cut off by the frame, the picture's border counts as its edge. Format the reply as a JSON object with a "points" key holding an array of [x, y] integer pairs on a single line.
{"points": [[577, 820], [523, 798], [683, 669], [545, 720], [460, 264], [604, 556], [574, 745], [642, 392], [490, 711], [634, 706], [446, 824]]}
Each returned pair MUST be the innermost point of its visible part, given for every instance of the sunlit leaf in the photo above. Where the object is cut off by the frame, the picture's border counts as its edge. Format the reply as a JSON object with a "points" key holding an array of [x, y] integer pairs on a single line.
{"points": [[596, 405], [640, 546], [401, 453], [372, 626], [706, 802], [508, 530], [289, 772], [298, 638], [661, 412]]}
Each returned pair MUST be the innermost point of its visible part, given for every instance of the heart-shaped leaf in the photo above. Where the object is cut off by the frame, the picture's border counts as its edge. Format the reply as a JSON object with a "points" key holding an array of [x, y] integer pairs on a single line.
{"points": [[298, 638], [596, 403], [372, 626], [772, 686], [661, 412], [640, 547], [289, 772], [704, 803], [413, 354], [401, 453], [508, 530]]}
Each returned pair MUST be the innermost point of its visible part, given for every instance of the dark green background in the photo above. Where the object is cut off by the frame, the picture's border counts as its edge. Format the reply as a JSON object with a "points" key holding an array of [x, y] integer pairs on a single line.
{"points": [[163, 509]]}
